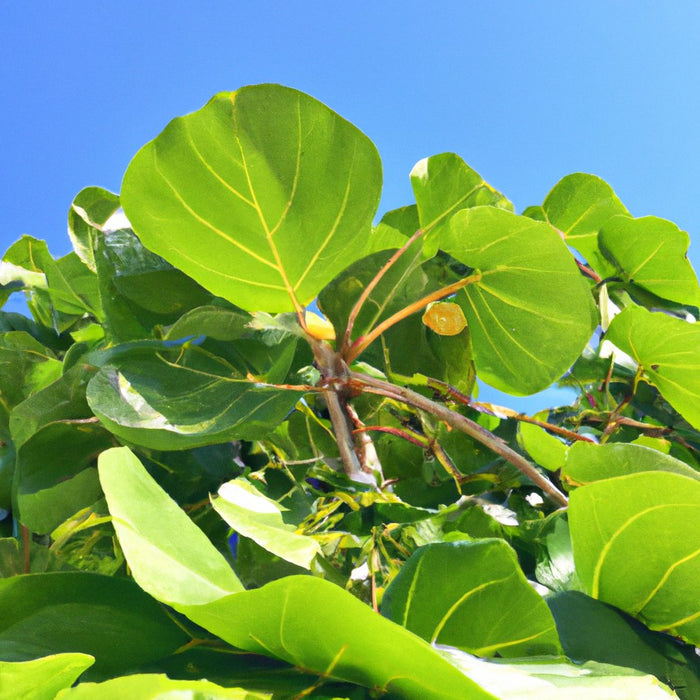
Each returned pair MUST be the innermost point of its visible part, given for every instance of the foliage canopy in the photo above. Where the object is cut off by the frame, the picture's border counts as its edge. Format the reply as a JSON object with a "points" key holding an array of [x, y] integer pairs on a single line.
{"points": [[208, 488]]}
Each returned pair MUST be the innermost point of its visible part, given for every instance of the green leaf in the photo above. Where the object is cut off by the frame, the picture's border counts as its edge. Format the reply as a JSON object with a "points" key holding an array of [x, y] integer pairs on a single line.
{"points": [[90, 210], [555, 679], [668, 351], [579, 205], [485, 605], [184, 399], [42, 679], [157, 687], [276, 189], [634, 549], [531, 313], [157, 537], [253, 515], [651, 253], [109, 618], [544, 448], [444, 184], [587, 462], [336, 636], [591, 630]]}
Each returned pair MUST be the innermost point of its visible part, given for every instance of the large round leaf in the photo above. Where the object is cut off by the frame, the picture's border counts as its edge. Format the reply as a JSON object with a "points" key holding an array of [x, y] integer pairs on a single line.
{"points": [[668, 350], [531, 313], [263, 196], [637, 546]]}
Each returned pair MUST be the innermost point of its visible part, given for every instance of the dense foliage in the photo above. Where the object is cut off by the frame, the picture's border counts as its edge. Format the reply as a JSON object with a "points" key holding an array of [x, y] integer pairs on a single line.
{"points": [[208, 488]]}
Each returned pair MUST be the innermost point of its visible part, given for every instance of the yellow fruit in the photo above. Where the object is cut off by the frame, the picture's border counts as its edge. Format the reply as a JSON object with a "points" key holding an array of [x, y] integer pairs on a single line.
{"points": [[445, 318], [319, 327]]}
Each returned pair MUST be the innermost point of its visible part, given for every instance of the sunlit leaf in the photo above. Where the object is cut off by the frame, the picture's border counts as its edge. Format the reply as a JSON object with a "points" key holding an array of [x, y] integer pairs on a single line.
{"points": [[253, 515], [485, 605], [579, 205], [276, 189], [545, 449], [634, 548], [42, 679], [158, 537], [668, 350], [531, 312]]}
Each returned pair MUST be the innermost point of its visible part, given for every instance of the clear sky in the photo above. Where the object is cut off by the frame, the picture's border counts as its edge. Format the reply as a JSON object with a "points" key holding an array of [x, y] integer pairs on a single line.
{"points": [[525, 92]]}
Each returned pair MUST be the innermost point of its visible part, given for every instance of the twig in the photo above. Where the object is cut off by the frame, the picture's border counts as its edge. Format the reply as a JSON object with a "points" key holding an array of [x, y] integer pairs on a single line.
{"points": [[370, 288], [365, 340], [463, 424]]}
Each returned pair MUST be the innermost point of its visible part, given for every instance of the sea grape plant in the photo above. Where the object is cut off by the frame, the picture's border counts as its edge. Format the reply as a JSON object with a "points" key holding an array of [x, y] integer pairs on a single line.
{"points": [[243, 453]]}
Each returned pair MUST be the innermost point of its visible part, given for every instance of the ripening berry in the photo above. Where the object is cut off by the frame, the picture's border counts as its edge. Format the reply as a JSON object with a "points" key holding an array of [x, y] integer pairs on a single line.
{"points": [[445, 318]]}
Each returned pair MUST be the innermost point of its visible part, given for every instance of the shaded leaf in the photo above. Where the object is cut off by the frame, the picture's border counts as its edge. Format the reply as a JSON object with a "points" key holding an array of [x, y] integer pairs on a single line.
{"points": [[249, 176], [531, 312], [633, 547], [651, 253], [668, 351], [156, 536], [591, 630], [253, 515], [485, 605], [182, 400], [109, 618]]}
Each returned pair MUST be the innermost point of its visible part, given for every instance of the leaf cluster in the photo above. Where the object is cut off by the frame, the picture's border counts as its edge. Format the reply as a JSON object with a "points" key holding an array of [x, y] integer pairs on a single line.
{"points": [[242, 452]]}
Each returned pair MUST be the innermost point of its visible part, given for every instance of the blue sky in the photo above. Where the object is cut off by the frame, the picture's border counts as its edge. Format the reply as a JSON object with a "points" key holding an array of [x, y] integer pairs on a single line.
{"points": [[525, 92]]}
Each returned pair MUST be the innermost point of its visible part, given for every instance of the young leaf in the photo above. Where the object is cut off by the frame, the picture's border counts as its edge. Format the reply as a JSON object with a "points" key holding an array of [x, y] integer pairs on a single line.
{"points": [[157, 537], [253, 515], [42, 679], [668, 350], [276, 189], [89, 211], [485, 606], [651, 253], [156, 687], [531, 313], [634, 548]]}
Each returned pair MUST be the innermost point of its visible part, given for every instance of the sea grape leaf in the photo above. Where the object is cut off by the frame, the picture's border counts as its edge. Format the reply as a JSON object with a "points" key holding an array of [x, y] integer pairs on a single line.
{"points": [[530, 313], [544, 448], [41, 679], [90, 210], [139, 289], [253, 515], [183, 399], [56, 612], [591, 630], [277, 190], [651, 253], [668, 350], [485, 606], [156, 687], [337, 636], [554, 679], [579, 205], [156, 536], [634, 549], [444, 184], [587, 462]]}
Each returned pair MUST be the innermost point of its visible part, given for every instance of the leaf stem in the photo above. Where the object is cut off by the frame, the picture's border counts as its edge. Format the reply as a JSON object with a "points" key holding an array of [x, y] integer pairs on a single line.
{"points": [[370, 288], [364, 341], [463, 424]]}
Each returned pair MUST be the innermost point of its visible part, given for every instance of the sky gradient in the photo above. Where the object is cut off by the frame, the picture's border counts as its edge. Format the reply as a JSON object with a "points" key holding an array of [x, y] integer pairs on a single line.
{"points": [[525, 92]]}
